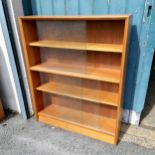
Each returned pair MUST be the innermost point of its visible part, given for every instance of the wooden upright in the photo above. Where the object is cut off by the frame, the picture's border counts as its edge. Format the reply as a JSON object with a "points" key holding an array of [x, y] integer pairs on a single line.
{"points": [[2, 114], [76, 69]]}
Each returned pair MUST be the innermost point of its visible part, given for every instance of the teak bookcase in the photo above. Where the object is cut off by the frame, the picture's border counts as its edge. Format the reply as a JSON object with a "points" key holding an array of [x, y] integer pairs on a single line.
{"points": [[76, 69]]}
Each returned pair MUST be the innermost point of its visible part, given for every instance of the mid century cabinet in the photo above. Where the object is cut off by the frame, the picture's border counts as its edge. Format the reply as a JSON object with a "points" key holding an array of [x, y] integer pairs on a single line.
{"points": [[76, 70]]}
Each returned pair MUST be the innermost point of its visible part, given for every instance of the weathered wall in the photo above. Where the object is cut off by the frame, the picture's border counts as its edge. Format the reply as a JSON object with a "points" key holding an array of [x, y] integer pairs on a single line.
{"points": [[141, 46], [10, 85]]}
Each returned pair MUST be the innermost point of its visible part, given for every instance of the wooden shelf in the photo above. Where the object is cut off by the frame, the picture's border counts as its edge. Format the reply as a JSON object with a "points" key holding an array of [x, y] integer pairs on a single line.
{"points": [[83, 119], [108, 74], [83, 60], [78, 92], [76, 18], [79, 46]]}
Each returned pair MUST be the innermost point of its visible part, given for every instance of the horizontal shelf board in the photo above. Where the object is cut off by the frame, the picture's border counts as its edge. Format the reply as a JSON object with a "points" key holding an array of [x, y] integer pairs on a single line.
{"points": [[80, 118], [107, 74], [77, 17], [79, 46], [80, 92]]}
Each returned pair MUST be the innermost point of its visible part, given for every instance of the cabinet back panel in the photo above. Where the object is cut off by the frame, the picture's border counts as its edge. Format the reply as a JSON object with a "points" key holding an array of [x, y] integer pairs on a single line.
{"points": [[108, 32], [80, 82], [83, 106], [62, 30], [81, 58]]}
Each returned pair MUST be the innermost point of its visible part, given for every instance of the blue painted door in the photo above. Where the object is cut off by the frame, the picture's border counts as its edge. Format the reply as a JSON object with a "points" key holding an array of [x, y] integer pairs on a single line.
{"points": [[141, 47]]}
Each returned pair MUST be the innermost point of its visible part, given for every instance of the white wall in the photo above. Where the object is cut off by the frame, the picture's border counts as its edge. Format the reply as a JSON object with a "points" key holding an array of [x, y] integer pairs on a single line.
{"points": [[10, 85], [15, 10], [7, 85]]}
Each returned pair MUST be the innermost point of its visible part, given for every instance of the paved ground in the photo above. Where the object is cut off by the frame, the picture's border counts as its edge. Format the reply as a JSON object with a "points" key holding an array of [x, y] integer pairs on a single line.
{"points": [[19, 137], [138, 135]]}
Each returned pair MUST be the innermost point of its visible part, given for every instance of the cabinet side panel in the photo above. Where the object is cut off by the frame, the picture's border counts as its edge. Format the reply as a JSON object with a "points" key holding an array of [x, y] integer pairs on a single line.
{"points": [[28, 33]]}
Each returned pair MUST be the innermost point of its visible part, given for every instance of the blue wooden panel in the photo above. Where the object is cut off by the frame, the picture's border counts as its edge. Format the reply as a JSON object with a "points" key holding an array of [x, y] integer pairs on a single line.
{"points": [[137, 9], [136, 81], [38, 6], [147, 45], [86, 7], [100, 7], [72, 7], [117, 7], [34, 9], [46, 7], [59, 7]]}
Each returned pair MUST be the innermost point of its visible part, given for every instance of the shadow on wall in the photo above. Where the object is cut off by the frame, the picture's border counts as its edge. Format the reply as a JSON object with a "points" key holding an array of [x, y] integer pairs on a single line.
{"points": [[131, 76], [132, 67]]}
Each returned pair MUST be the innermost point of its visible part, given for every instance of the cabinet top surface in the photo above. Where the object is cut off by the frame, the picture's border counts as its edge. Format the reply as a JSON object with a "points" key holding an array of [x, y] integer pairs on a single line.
{"points": [[79, 17]]}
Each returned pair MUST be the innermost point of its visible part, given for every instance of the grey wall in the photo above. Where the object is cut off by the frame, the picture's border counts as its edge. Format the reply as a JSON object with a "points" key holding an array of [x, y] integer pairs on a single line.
{"points": [[11, 89], [7, 87], [15, 10]]}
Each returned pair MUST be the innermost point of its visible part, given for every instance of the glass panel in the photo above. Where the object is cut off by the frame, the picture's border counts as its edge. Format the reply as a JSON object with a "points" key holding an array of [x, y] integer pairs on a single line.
{"points": [[82, 86]]}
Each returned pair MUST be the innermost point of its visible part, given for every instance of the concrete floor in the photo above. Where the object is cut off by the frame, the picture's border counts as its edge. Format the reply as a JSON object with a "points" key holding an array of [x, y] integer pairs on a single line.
{"points": [[19, 137], [138, 135]]}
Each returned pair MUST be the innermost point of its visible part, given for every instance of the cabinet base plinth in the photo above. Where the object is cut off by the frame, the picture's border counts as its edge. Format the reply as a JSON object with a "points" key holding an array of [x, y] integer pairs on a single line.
{"points": [[77, 129]]}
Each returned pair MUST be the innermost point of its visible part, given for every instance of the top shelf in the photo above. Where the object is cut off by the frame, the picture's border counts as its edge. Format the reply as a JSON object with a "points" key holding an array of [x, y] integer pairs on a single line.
{"points": [[115, 48], [77, 17]]}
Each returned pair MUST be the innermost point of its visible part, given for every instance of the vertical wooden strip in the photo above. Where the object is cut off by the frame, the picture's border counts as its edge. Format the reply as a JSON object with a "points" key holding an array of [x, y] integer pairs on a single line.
{"points": [[2, 114], [117, 7], [72, 7], [38, 7], [136, 8], [27, 7], [34, 7], [46, 7], [100, 7], [86, 7], [59, 7]]}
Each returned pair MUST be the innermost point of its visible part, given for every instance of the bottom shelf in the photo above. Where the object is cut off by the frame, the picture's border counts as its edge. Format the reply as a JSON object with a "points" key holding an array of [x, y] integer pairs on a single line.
{"points": [[95, 126]]}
